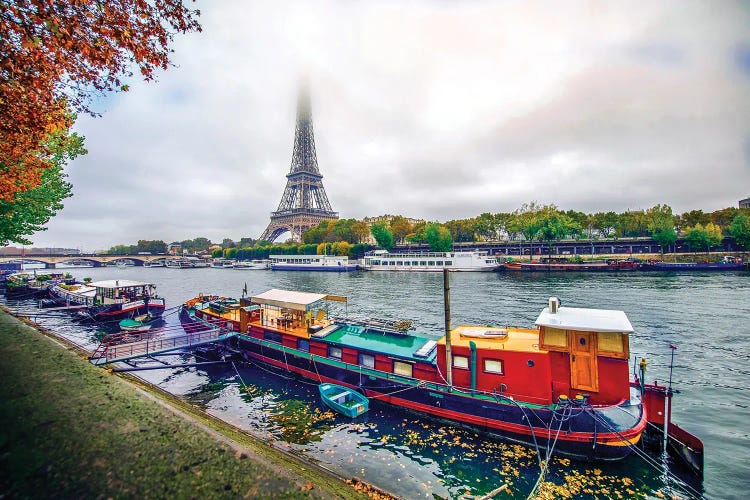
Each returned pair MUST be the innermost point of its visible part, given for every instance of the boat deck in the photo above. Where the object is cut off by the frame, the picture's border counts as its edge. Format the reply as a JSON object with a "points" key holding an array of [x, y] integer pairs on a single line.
{"points": [[230, 313], [517, 339], [409, 346], [293, 324]]}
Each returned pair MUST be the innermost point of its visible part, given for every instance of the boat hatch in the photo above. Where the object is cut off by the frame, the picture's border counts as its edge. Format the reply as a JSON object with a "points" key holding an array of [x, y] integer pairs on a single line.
{"points": [[426, 349]]}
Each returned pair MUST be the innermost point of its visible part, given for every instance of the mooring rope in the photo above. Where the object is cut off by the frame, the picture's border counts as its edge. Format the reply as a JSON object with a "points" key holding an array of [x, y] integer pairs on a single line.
{"points": [[646, 458], [315, 365], [550, 450], [421, 384], [244, 386]]}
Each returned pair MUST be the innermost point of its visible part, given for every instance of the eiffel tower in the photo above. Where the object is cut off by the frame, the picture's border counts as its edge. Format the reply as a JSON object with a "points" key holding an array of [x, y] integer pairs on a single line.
{"points": [[304, 202]]}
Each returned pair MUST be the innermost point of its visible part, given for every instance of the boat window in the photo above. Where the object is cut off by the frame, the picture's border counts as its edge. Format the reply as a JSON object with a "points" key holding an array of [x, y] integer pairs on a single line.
{"points": [[493, 366], [613, 344], [415, 263], [461, 362], [303, 345], [367, 360], [554, 338], [439, 263], [401, 368], [423, 263], [272, 337], [334, 352]]}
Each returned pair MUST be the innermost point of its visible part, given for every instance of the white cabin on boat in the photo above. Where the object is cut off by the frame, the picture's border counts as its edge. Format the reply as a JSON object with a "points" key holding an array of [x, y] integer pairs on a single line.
{"points": [[381, 260]]}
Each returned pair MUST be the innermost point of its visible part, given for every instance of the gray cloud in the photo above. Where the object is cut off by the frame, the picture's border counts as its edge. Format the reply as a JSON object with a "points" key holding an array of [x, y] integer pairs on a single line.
{"points": [[428, 109]]}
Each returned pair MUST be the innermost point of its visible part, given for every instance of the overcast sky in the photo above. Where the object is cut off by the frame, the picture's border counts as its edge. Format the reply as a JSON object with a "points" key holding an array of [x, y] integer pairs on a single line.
{"points": [[429, 109]]}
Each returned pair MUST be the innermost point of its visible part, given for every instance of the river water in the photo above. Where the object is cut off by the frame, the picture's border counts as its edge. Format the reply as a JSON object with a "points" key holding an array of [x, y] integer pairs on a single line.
{"points": [[705, 315]]}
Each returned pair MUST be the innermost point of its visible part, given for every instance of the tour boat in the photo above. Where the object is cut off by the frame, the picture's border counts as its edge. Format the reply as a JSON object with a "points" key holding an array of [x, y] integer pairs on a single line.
{"points": [[197, 262], [311, 263], [179, 264], [381, 260], [252, 265], [563, 384], [553, 264], [111, 299], [154, 263], [344, 400]]}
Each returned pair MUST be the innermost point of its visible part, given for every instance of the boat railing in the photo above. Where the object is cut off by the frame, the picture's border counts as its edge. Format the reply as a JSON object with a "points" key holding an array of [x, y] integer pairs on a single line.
{"points": [[394, 327], [113, 351]]}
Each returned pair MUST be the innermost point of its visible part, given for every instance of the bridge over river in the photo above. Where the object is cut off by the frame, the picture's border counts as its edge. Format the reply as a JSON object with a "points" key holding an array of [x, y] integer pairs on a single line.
{"points": [[52, 261]]}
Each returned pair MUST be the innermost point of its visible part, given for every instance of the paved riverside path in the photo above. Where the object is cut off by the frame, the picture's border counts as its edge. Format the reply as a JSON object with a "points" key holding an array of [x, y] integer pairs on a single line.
{"points": [[69, 429]]}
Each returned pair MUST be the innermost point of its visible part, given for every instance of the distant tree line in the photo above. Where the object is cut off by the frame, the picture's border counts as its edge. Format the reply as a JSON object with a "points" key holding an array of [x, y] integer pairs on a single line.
{"points": [[547, 223], [528, 224], [263, 249], [150, 246]]}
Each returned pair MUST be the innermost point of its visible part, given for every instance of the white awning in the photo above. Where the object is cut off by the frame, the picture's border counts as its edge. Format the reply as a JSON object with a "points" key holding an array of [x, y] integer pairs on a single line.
{"points": [[299, 301], [587, 320], [118, 284]]}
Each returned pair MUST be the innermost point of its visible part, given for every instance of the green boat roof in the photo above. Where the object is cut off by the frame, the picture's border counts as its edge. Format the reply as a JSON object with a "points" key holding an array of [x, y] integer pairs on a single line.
{"points": [[404, 346]]}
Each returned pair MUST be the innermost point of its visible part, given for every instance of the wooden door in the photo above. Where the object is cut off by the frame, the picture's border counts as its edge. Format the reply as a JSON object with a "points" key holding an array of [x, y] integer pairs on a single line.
{"points": [[583, 368]]}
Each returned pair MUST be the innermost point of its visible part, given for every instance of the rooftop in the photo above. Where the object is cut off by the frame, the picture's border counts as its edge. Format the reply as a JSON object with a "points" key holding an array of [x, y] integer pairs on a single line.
{"points": [[361, 338], [299, 301], [119, 283], [588, 320], [517, 339]]}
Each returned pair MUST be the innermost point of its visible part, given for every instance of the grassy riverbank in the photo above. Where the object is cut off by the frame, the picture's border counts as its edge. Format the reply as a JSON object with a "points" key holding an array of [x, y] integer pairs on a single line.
{"points": [[72, 430]]}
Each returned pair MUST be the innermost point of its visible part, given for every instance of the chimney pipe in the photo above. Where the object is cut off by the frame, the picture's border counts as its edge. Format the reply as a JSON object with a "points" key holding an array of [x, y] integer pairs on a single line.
{"points": [[554, 305]]}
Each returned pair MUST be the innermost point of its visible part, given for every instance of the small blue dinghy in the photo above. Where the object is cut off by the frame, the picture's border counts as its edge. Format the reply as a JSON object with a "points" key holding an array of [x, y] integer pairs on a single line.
{"points": [[343, 400]]}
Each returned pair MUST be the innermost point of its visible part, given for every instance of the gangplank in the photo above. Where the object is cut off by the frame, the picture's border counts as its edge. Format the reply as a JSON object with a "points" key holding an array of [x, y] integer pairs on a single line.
{"points": [[112, 350]]}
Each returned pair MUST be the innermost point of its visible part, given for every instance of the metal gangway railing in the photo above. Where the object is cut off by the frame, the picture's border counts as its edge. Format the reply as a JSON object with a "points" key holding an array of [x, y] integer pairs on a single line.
{"points": [[111, 350]]}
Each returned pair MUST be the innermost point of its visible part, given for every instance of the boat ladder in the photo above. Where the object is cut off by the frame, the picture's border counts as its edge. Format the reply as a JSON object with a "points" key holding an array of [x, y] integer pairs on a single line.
{"points": [[121, 347]]}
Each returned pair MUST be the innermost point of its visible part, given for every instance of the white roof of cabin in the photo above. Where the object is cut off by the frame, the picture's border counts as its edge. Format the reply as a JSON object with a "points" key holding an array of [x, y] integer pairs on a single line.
{"points": [[587, 320], [118, 283], [288, 299]]}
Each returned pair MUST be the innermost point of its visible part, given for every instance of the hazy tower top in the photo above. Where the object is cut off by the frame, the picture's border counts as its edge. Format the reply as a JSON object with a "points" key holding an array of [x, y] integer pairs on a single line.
{"points": [[304, 202]]}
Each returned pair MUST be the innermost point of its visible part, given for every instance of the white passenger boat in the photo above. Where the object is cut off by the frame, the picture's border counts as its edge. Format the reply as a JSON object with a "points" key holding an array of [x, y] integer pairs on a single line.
{"points": [[179, 264], [196, 262], [381, 260], [252, 265], [311, 263]]}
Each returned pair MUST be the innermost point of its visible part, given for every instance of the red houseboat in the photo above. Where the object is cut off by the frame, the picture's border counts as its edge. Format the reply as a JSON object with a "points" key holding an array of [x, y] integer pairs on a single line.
{"points": [[556, 264], [564, 383]]}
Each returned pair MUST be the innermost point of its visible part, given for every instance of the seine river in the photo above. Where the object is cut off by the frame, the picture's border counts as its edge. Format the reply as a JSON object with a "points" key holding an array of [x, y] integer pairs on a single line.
{"points": [[707, 316]]}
